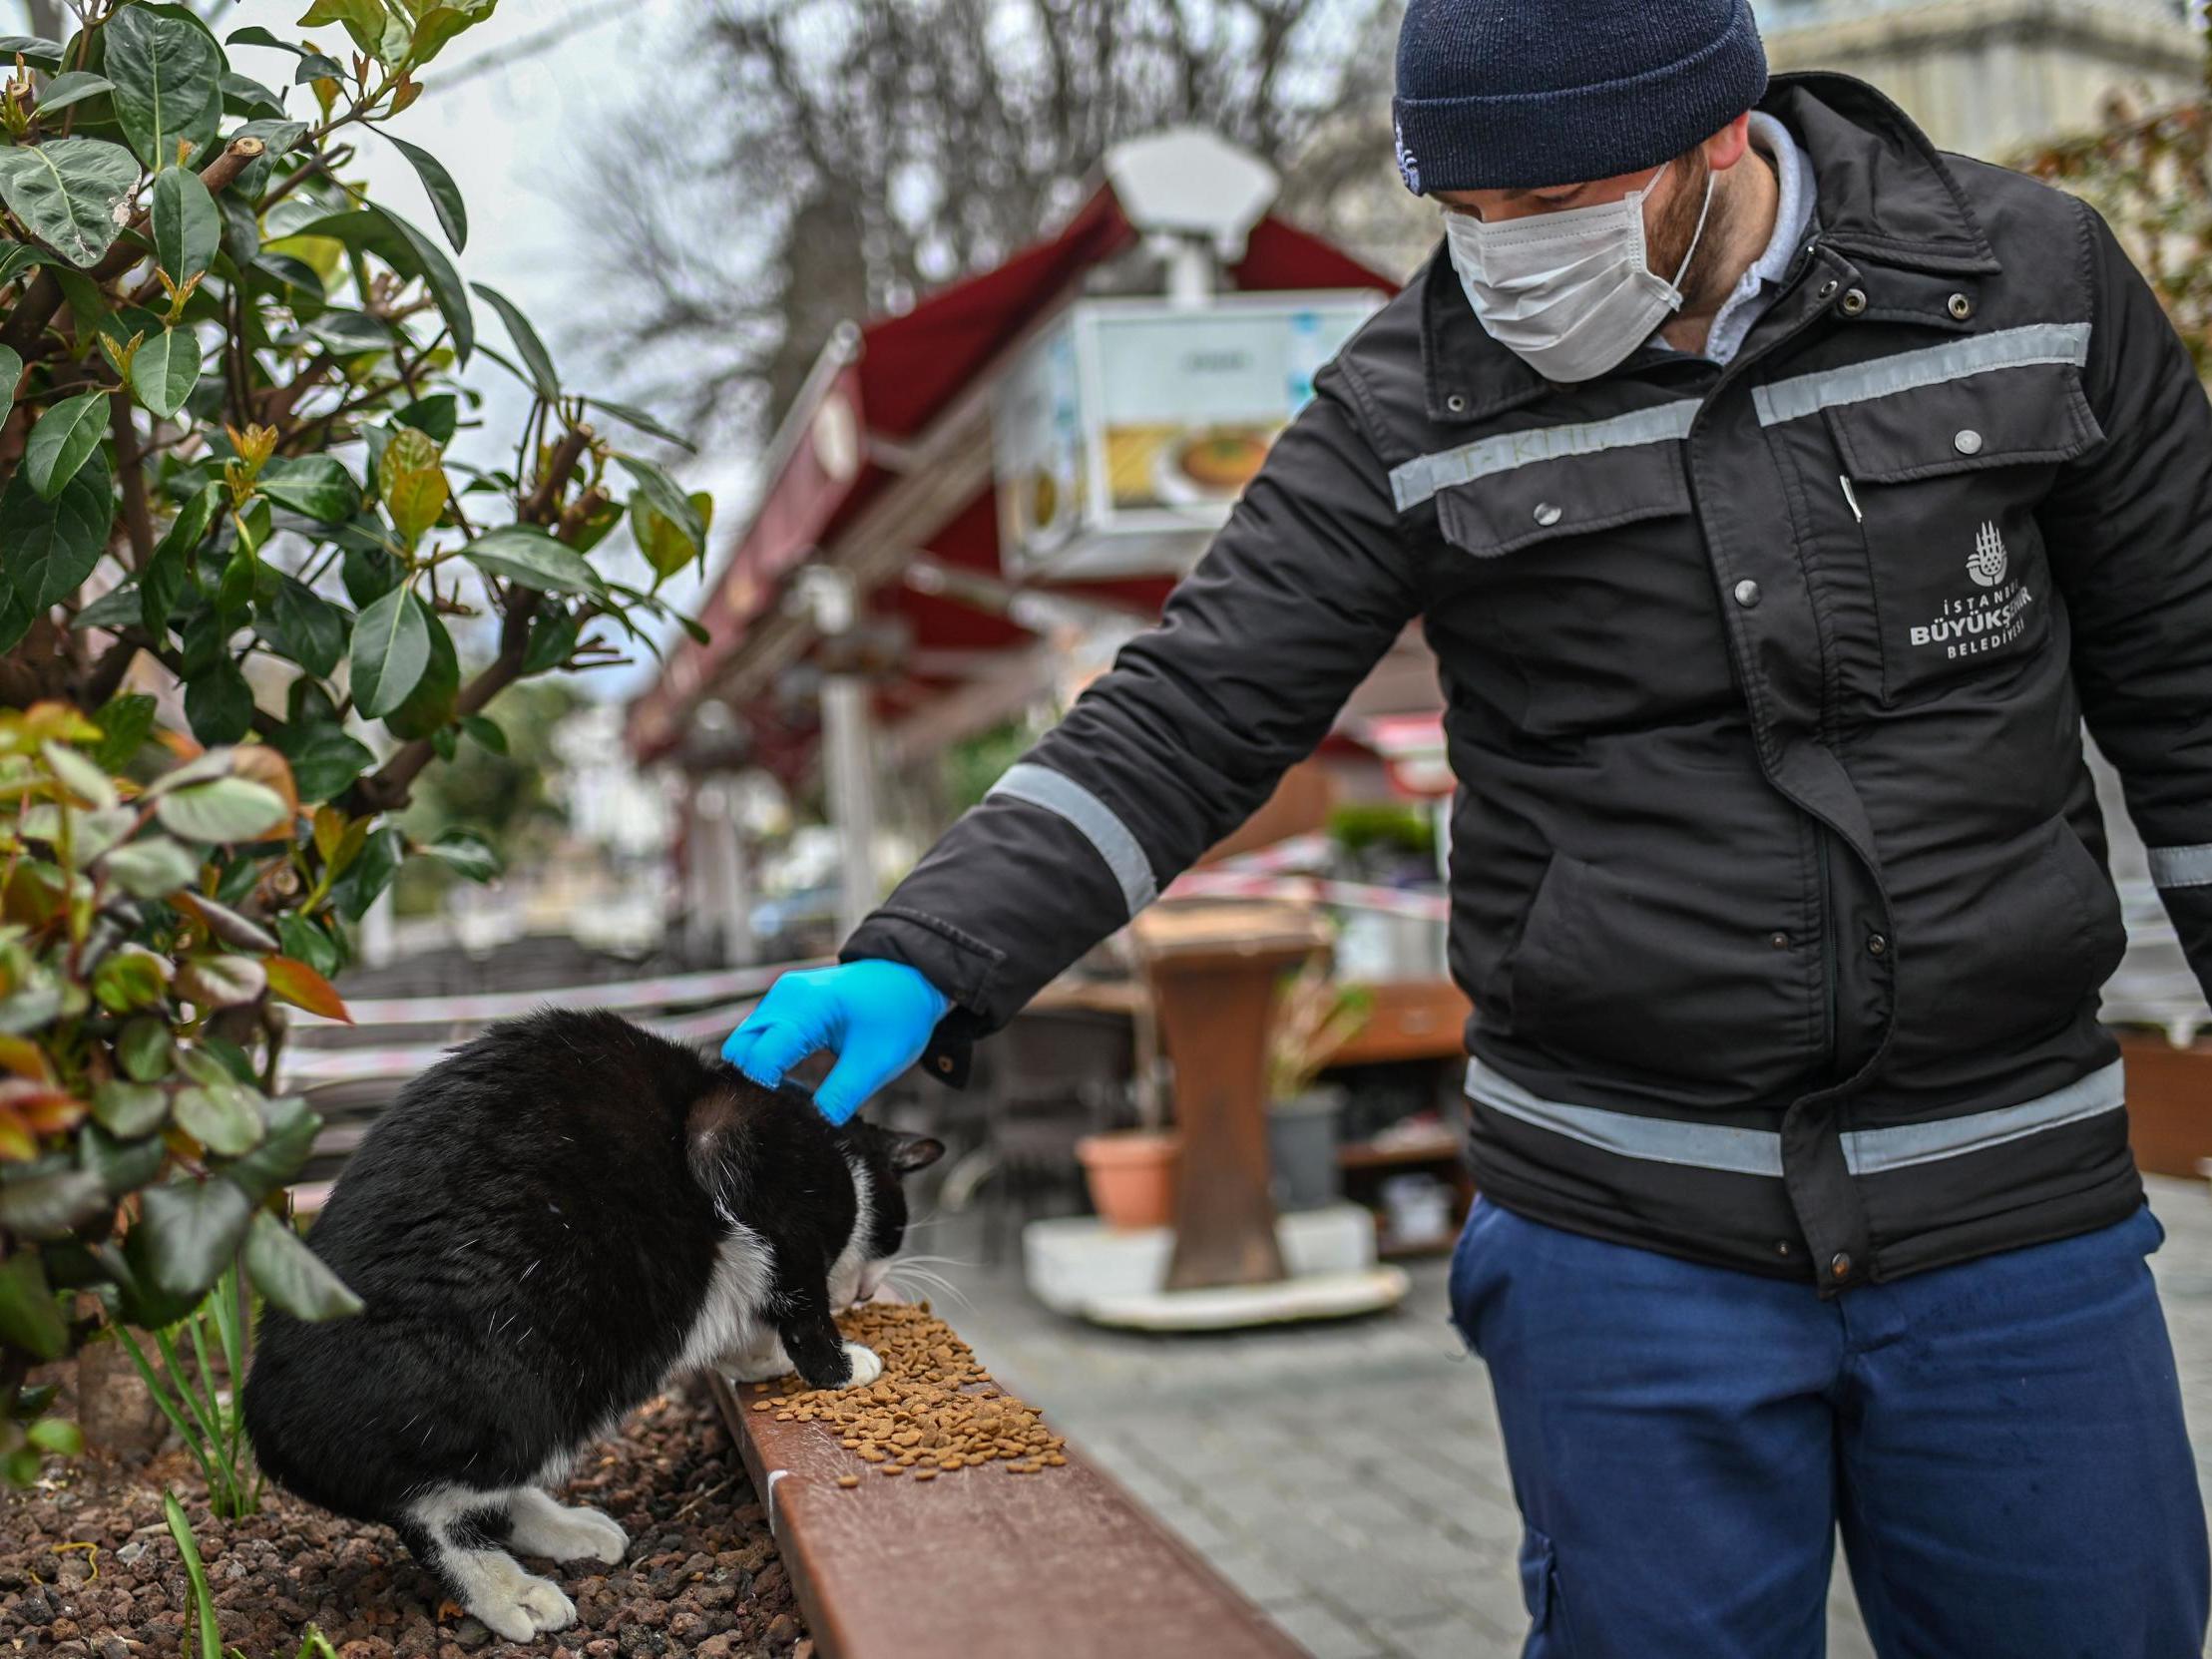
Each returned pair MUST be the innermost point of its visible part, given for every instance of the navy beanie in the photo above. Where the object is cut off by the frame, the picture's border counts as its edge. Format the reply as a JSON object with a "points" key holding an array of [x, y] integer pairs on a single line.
{"points": [[1517, 94]]}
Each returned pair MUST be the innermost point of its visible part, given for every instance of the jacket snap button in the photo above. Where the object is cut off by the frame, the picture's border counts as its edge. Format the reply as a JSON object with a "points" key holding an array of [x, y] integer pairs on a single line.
{"points": [[1829, 287], [1781, 1247], [1968, 442], [1853, 302], [944, 1062], [1961, 306], [1546, 514], [1877, 944], [1456, 403], [1840, 1264], [1747, 594], [1780, 940]]}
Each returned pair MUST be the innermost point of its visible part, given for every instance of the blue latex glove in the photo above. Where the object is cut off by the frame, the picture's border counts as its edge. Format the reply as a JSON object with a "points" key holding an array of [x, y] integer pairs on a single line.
{"points": [[876, 1016]]}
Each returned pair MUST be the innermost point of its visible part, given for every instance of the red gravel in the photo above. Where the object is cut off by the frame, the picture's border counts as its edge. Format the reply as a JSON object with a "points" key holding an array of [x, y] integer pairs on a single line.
{"points": [[702, 1578]]}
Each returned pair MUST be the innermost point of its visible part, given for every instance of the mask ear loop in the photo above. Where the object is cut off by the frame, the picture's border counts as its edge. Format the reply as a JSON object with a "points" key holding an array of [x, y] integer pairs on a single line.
{"points": [[1697, 235]]}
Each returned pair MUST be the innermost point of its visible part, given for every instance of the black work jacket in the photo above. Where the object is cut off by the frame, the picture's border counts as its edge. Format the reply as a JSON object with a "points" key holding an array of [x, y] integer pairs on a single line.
{"points": [[1778, 884]]}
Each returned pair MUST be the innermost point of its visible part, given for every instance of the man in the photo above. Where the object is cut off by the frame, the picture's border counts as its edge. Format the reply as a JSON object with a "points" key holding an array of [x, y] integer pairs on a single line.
{"points": [[1778, 500]]}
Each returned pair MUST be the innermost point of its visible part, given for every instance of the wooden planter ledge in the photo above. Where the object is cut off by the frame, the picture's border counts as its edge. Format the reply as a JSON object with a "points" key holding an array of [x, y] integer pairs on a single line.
{"points": [[981, 1564]]}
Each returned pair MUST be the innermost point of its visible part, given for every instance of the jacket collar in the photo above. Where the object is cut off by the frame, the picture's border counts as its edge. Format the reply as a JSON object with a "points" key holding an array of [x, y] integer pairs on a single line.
{"points": [[1884, 197]]}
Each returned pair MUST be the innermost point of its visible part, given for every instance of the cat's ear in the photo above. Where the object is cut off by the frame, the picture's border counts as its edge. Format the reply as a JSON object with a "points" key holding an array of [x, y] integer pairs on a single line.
{"points": [[912, 1153]]}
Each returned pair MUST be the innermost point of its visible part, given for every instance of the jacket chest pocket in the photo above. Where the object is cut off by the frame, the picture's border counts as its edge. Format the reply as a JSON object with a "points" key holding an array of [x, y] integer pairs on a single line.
{"points": [[1946, 481], [1585, 581]]}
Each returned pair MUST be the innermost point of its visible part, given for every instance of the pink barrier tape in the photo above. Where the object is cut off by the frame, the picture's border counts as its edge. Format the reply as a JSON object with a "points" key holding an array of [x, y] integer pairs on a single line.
{"points": [[721, 985], [1223, 884]]}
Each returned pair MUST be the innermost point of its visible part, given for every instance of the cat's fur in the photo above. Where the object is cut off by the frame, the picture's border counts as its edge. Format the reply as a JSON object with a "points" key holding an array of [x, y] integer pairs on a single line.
{"points": [[546, 1227]]}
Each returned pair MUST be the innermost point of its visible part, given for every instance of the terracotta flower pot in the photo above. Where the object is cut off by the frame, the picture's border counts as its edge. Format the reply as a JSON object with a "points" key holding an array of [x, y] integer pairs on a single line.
{"points": [[1131, 1176]]}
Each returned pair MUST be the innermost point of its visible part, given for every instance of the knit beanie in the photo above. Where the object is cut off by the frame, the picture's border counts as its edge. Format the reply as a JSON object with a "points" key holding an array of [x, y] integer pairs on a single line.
{"points": [[1518, 94]]}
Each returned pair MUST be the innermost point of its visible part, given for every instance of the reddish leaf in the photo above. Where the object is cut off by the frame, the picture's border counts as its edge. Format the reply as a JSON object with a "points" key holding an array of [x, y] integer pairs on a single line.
{"points": [[23, 1057], [41, 1107], [300, 984]]}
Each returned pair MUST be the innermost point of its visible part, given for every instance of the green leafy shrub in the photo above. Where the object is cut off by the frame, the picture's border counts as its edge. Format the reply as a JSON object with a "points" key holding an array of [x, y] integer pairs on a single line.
{"points": [[234, 557]]}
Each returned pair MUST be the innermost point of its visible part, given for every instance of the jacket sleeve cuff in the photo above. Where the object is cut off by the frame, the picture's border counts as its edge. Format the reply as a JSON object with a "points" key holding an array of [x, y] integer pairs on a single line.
{"points": [[956, 964]]}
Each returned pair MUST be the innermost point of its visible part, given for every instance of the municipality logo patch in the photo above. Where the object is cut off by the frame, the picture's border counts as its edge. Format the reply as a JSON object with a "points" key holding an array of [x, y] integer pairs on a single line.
{"points": [[1987, 564]]}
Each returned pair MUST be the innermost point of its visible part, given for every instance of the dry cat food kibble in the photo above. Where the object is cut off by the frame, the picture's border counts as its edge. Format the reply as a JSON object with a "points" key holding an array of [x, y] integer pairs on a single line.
{"points": [[926, 1411]]}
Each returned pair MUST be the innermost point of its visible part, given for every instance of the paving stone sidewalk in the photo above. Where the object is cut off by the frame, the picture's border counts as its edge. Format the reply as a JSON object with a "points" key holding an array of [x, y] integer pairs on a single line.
{"points": [[1349, 1477]]}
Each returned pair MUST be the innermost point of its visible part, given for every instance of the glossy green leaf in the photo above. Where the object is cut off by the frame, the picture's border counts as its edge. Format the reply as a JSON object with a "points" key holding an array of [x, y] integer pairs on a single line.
{"points": [[120, 1165], [144, 1047], [63, 441], [661, 493], [527, 555], [73, 88], [362, 19], [368, 875], [186, 228], [314, 486], [485, 731], [167, 76], [552, 638], [152, 867], [219, 703], [431, 703], [66, 192], [62, 1439], [49, 1202], [301, 625], [543, 379], [35, 50], [125, 720], [92, 786], [50, 545], [641, 419], [222, 809], [30, 1318], [130, 1109], [166, 367], [222, 1118], [10, 373], [445, 195], [467, 853], [411, 253], [391, 648], [291, 1276], [307, 941], [438, 415], [191, 1227], [437, 24], [324, 760], [288, 1141]]}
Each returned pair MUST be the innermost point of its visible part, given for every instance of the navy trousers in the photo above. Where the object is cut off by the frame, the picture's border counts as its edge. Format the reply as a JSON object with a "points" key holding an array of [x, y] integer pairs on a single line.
{"points": [[2000, 1443]]}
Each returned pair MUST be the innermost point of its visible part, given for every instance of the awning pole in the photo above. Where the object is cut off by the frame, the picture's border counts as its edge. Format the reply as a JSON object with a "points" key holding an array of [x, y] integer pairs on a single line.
{"points": [[848, 750]]}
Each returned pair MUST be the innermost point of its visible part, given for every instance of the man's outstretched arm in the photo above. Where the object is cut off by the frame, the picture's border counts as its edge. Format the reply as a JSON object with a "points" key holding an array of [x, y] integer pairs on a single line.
{"points": [[1300, 595]]}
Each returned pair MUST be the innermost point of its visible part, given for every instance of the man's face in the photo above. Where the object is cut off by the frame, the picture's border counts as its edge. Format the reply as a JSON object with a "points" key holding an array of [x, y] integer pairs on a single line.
{"points": [[1674, 199]]}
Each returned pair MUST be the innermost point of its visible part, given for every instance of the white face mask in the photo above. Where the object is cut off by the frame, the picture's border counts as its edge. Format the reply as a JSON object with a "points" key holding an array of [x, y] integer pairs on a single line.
{"points": [[1570, 293]]}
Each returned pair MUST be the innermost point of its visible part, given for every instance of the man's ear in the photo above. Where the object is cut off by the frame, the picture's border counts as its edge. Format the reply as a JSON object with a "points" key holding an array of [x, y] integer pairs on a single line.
{"points": [[1730, 144], [912, 1153]]}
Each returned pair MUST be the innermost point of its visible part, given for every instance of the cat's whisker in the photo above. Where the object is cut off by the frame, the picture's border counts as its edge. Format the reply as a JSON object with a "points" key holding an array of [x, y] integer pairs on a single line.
{"points": [[942, 1261]]}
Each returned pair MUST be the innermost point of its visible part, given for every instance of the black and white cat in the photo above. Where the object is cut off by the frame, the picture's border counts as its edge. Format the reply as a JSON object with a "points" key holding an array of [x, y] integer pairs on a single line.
{"points": [[546, 1227]]}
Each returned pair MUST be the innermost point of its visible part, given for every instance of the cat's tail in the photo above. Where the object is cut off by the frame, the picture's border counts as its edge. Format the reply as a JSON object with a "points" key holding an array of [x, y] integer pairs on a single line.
{"points": [[717, 1133]]}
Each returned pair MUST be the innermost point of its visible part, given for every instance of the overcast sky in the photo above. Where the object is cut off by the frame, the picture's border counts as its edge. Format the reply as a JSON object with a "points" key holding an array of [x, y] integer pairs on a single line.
{"points": [[512, 139]]}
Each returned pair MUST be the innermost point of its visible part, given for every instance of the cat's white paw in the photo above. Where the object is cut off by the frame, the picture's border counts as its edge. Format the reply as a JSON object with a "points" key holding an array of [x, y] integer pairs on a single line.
{"points": [[522, 1606], [866, 1368], [567, 1535], [757, 1367]]}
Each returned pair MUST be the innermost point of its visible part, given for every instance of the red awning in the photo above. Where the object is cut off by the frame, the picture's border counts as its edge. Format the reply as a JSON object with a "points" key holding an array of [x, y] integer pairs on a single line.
{"points": [[901, 372]]}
